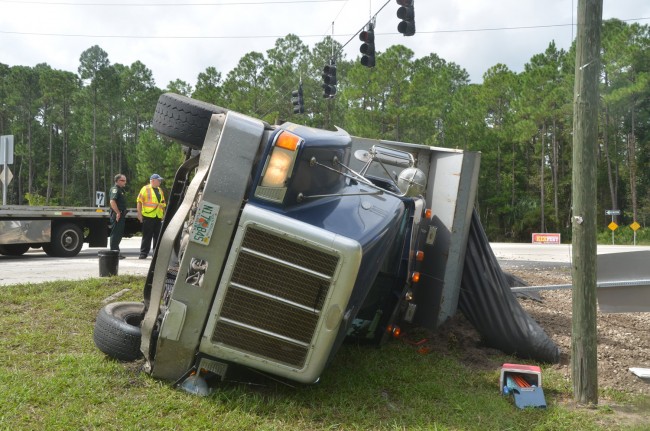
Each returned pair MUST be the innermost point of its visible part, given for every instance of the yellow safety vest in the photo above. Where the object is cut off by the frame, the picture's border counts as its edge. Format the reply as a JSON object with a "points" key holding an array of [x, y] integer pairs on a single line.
{"points": [[150, 206]]}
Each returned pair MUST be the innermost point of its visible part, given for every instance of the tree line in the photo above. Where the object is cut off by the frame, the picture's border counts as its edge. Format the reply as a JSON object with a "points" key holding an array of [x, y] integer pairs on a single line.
{"points": [[74, 131]]}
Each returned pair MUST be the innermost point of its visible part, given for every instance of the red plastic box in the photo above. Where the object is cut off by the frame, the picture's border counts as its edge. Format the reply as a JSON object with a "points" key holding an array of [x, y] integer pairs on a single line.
{"points": [[531, 373]]}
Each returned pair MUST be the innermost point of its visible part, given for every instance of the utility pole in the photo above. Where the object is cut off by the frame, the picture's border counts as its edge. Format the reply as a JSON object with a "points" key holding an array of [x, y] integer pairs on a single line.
{"points": [[584, 360]]}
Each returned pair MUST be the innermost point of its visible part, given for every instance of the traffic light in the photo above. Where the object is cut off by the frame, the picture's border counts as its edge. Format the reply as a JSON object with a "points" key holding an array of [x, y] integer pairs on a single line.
{"points": [[297, 100], [329, 80], [406, 13], [368, 46]]}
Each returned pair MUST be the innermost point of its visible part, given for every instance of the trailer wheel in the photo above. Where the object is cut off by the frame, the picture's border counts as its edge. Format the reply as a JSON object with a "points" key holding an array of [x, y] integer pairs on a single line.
{"points": [[117, 330], [184, 119], [67, 240], [14, 249]]}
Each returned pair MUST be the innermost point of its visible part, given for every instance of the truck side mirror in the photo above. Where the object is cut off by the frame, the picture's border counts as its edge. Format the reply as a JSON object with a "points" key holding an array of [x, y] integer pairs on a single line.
{"points": [[392, 157]]}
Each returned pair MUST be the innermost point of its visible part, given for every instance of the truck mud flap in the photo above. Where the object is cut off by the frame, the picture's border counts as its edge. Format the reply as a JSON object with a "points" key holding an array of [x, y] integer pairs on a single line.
{"points": [[487, 302]]}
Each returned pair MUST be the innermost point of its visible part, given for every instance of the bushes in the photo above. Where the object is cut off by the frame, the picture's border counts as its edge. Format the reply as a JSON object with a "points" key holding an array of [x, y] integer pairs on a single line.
{"points": [[624, 235]]}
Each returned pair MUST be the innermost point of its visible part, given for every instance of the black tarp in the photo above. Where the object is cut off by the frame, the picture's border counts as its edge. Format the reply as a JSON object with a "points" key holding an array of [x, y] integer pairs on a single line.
{"points": [[488, 303]]}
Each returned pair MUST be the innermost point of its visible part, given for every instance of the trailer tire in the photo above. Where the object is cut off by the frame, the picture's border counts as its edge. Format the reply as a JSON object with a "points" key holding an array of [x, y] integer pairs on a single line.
{"points": [[67, 240], [117, 330], [184, 119], [14, 249]]}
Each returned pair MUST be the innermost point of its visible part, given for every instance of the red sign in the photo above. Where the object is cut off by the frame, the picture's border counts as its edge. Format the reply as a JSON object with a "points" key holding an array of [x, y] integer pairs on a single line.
{"points": [[546, 238]]}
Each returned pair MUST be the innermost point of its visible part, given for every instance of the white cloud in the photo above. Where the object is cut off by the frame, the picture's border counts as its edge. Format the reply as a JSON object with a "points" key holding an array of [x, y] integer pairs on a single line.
{"points": [[33, 32]]}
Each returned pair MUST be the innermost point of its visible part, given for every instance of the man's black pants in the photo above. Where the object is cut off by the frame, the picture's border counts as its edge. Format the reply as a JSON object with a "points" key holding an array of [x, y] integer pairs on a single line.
{"points": [[150, 232], [117, 232]]}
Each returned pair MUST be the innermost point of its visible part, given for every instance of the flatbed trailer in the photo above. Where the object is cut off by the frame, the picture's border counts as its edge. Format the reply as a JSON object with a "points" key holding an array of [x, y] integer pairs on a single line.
{"points": [[60, 231]]}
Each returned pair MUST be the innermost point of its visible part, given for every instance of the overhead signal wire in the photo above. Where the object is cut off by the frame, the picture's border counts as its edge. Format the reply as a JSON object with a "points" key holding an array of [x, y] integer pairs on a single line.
{"points": [[337, 15], [371, 20], [532, 27]]}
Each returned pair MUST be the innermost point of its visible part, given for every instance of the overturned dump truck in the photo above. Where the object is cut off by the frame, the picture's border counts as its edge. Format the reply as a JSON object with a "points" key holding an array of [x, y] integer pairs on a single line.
{"points": [[280, 242]]}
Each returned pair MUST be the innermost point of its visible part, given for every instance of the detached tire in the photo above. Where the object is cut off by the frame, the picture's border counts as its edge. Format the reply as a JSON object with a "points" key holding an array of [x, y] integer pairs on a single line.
{"points": [[184, 119], [117, 330]]}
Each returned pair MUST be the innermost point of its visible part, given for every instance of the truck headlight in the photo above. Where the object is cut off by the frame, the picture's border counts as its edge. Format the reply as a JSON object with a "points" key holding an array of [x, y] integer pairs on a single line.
{"points": [[278, 167], [277, 170]]}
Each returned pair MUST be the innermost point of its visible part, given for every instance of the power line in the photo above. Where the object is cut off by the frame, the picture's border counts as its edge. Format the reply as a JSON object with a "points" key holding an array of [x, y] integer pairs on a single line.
{"points": [[372, 18], [488, 29], [108, 36], [338, 14]]}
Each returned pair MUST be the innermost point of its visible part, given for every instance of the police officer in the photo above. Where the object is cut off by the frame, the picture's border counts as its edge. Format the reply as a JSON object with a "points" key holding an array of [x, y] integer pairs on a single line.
{"points": [[118, 207], [151, 208]]}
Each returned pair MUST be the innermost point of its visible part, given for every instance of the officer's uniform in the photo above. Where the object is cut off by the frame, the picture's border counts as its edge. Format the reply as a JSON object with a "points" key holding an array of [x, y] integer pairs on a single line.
{"points": [[117, 194]]}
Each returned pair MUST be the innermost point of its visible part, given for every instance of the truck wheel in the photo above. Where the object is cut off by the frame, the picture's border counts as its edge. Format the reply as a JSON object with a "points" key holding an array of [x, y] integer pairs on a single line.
{"points": [[117, 330], [184, 119], [14, 249], [67, 240]]}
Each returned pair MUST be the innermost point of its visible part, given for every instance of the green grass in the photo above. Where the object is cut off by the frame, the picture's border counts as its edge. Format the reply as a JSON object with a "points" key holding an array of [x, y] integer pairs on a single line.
{"points": [[52, 377]]}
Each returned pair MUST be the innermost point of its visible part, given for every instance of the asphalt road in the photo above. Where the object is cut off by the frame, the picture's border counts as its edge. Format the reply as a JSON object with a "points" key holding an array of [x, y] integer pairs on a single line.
{"points": [[36, 267], [539, 256]]}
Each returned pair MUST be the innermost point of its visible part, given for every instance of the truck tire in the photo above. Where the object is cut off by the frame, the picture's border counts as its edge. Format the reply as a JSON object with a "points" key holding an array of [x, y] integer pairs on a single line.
{"points": [[14, 249], [184, 119], [117, 330], [67, 240]]}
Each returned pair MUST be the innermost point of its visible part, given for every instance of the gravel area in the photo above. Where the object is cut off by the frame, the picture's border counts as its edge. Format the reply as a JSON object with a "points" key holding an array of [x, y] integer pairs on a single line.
{"points": [[623, 338]]}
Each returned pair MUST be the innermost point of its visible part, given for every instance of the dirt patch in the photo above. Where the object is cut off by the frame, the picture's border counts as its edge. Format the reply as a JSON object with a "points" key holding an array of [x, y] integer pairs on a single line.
{"points": [[623, 342]]}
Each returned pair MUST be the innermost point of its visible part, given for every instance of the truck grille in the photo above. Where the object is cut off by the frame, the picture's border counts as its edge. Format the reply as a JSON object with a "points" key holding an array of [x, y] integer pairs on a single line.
{"points": [[275, 297]]}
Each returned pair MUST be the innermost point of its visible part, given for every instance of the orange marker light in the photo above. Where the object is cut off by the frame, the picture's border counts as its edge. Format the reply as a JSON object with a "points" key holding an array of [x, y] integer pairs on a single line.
{"points": [[419, 255], [394, 330], [288, 141], [427, 213], [415, 277]]}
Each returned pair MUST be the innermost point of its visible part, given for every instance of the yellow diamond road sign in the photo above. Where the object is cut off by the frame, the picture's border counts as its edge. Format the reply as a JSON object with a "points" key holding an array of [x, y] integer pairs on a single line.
{"points": [[635, 226], [612, 226]]}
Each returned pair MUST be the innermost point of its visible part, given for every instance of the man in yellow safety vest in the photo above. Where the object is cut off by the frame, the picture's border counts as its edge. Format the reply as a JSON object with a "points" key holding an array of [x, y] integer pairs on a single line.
{"points": [[151, 208]]}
